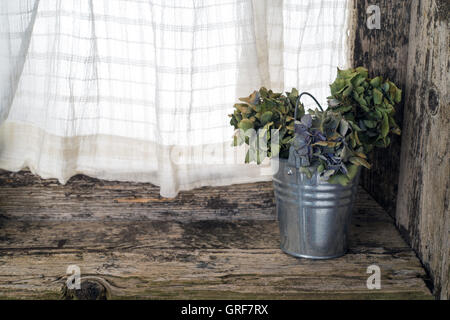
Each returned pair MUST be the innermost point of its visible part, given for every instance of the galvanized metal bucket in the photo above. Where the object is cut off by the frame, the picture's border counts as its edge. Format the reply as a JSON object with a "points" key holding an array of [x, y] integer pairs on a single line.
{"points": [[314, 215]]}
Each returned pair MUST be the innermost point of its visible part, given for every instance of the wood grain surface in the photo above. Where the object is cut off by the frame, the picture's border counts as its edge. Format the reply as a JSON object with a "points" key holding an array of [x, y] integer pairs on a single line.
{"points": [[209, 243], [424, 186], [411, 178]]}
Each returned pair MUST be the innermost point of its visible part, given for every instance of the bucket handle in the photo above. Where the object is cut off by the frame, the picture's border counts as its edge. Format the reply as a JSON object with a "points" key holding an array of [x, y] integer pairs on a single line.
{"points": [[298, 101]]}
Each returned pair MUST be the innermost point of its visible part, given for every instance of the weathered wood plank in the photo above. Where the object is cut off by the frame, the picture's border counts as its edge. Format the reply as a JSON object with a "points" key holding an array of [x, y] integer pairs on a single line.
{"points": [[198, 251], [26, 196], [412, 49], [423, 200], [368, 235], [202, 259]]}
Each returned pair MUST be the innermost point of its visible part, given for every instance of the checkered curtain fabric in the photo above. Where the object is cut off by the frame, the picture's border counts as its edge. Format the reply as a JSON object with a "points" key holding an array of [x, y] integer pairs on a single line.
{"points": [[140, 89]]}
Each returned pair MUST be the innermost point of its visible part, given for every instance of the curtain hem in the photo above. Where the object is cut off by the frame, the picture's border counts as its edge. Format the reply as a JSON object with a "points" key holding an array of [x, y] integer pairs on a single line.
{"points": [[116, 158]]}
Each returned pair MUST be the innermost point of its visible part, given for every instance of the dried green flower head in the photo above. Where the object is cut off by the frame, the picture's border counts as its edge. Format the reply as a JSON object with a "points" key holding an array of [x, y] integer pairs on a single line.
{"points": [[332, 143], [367, 104], [265, 109]]}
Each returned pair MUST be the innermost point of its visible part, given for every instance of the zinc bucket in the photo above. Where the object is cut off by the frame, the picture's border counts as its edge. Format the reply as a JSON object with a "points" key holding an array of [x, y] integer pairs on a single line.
{"points": [[314, 215]]}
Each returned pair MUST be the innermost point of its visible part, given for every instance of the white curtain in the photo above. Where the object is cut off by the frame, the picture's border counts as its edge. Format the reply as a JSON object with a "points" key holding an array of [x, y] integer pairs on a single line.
{"points": [[139, 90]]}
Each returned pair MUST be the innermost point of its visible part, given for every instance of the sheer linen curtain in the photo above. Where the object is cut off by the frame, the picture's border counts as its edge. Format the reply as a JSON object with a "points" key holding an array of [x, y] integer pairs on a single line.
{"points": [[139, 90]]}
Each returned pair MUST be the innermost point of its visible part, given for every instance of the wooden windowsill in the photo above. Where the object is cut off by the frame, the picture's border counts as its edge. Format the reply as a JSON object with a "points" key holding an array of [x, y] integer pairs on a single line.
{"points": [[208, 243]]}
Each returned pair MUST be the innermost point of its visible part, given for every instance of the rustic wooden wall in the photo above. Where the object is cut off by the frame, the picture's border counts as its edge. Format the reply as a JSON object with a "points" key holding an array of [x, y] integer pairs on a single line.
{"points": [[422, 205], [384, 52], [412, 49]]}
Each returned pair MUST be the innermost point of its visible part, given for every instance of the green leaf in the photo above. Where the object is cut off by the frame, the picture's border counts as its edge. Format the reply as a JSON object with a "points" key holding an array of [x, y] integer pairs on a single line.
{"points": [[268, 125], [355, 126], [364, 107], [359, 89], [245, 124], [320, 168], [397, 131], [360, 162], [362, 71], [346, 153], [370, 123], [330, 144], [358, 80], [328, 173], [343, 127], [384, 126], [339, 179], [263, 92], [347, 91], [353, 141], [287, 140], [377, 96], [348, 74], [398, 96], [343, 109], [294, 93], [266, 116], [321, 143], [378, 114], [352, 170], [355, 134], [337, 86], [375, 82], [361, 155]]}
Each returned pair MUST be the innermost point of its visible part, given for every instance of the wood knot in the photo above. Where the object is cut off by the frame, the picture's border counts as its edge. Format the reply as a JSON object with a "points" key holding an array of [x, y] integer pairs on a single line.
{"points": [[433, 101], [90, 289]]}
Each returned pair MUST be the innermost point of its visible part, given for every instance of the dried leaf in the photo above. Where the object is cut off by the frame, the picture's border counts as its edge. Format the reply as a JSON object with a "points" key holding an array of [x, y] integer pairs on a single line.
{"points": [[384, 126], [360, 162]]}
